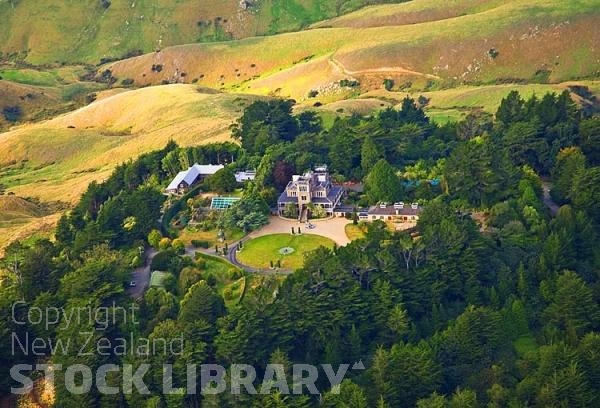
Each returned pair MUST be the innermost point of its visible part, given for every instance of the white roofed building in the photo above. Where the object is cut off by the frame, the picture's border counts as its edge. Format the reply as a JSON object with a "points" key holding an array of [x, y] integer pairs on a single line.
{"points": [[187, 178], [247, 175]]}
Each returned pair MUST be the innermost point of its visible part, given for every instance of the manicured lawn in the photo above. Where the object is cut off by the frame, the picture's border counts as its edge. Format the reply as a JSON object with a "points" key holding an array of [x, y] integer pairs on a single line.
{"points": [[258, 252], [190, 233], [230, 282]]}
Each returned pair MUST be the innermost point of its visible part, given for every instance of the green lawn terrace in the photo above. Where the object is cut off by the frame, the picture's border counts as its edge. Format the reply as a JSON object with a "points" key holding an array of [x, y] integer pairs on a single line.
{"points": [[228, 280], [157, 279], [285, 249]]}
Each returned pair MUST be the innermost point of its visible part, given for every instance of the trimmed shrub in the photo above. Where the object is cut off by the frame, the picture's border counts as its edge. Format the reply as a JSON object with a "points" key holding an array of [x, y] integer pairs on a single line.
{"points": [[178, 246], [162, 260], [197, 243], [164, 243]]}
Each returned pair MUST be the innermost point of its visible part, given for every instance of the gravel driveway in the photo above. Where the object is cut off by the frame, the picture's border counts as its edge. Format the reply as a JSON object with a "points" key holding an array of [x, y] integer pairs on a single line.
{"points": [[333, 228]]}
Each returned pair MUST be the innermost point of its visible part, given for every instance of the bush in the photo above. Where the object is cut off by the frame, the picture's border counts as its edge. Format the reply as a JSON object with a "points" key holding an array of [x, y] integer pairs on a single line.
{"points": [[211, 280], [89, 98], [349, 83], [107, 77], [164, 243], [388, 84], [228, 293], [162, 260], [154, 238], [423, 101], [223, 181], [127, 82], [136, 261], [12, 113], [234, 274], [197, 243], [170, 283], [313, 93], [178, 246]]}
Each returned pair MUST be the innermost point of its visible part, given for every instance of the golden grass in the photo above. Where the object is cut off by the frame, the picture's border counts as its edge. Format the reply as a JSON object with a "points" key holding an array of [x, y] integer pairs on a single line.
{"points": [[57, 159], [529, 35], [20, 219], [458, 101], [12, 207], [61, 156], [30, 98], [354, 232], [412, 12]]}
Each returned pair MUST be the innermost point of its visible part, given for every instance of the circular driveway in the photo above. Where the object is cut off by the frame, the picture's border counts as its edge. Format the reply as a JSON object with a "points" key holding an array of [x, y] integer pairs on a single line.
{"points": [[333, 228]]}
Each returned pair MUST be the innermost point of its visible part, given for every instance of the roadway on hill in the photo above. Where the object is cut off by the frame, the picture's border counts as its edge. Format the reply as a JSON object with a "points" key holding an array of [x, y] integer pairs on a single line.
{"points": [[332, 228], [141, 275], [547, 198]]}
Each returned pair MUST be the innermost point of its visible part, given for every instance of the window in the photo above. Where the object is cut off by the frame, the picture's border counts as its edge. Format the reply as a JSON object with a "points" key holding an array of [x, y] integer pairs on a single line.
{"points": [[303, 198]]}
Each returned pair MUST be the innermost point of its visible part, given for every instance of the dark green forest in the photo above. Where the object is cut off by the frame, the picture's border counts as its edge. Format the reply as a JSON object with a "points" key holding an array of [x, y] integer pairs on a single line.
{"points": [[493, 300]]}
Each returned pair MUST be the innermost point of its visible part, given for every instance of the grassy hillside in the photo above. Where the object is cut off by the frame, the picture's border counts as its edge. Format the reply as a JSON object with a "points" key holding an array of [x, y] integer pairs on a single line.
{"points": [[41, 94], [21, 219], [56, 159], [414, 12], [49, 31], [455, 103], [461, 55], [480, 42]]}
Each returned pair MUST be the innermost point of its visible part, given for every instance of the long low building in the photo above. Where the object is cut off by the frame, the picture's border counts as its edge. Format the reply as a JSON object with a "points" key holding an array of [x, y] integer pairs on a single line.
{"points": [[187, 178], [397, 212]]}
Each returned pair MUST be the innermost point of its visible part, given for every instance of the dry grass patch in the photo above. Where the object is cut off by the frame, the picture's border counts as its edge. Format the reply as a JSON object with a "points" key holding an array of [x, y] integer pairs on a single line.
{"points": [[61, 156], [354, 232]]}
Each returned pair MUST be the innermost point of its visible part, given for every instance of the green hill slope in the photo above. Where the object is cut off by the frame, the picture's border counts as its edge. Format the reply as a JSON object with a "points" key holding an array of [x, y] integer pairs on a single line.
{"points": [[49, 31]]}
